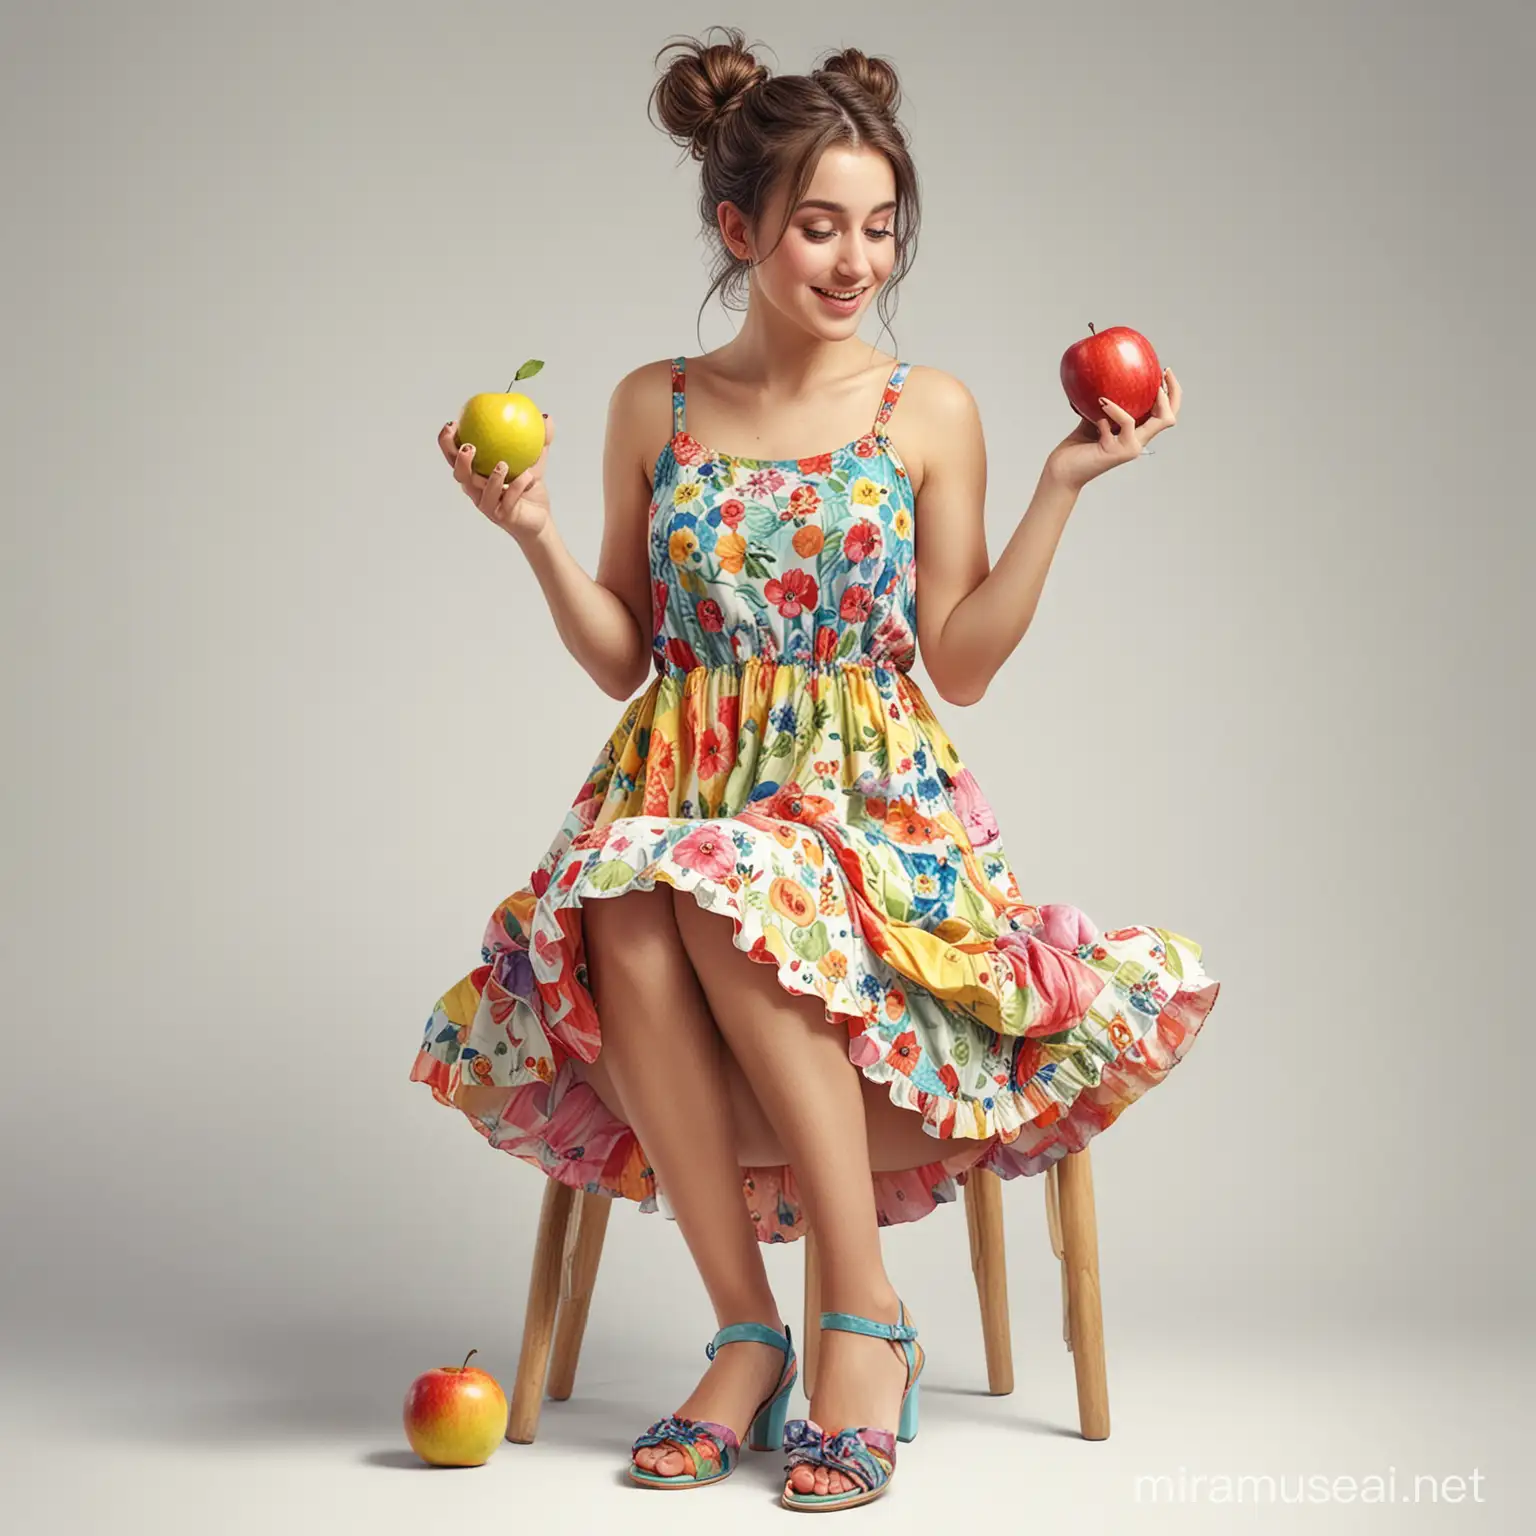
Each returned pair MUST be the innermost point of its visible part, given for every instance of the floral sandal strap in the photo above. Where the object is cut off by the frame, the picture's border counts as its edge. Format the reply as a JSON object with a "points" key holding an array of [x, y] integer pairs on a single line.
{"points": [[868, 1456], [687, 1433]]}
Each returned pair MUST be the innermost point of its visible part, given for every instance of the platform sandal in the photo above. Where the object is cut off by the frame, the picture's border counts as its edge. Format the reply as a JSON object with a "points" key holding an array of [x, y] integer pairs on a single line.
{"points": [[867, 1456], [714, 1448]]}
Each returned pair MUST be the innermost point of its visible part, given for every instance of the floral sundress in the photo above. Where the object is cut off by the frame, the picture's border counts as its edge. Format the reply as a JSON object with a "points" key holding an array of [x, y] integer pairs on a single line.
{"points": [[785, 769]]}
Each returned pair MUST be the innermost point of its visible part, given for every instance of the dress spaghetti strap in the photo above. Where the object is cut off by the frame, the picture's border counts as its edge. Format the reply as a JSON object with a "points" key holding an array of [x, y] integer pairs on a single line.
{"points": [[888, 401], [679, 391]]}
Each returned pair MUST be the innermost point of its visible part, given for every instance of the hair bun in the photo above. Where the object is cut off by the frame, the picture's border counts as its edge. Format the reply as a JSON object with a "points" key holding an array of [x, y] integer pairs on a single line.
{"points": [[875, 77], [705, 83]]}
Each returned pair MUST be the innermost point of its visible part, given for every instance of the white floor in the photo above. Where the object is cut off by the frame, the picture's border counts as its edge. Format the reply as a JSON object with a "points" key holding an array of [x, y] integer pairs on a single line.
{"points": [[301, 1434]]}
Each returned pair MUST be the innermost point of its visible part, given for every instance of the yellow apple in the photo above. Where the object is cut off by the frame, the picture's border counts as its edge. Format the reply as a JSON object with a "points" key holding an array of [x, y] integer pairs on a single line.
{"points": [[456, 1415], [505, 429]]}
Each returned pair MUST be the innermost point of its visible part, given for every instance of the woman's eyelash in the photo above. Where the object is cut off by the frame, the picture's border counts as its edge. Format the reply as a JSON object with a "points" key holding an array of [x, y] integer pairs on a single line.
{"points": [[826, 234]]}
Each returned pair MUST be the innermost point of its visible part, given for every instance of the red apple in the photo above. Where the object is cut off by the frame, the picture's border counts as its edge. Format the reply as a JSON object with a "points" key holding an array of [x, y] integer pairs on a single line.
{"points": [[455, 1416], [1120, 365]]}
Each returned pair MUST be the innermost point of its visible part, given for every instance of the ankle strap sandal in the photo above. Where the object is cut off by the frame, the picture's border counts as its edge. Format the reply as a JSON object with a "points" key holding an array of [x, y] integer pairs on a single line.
{"points": [[714, 1448], [866, 1456]]}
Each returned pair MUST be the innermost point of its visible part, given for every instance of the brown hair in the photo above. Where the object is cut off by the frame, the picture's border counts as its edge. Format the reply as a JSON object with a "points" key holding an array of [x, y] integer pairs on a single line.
{"points": [[755, 131]]}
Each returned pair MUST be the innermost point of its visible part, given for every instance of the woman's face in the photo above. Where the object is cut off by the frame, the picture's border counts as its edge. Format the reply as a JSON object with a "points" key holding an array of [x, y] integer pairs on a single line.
{"points": [[839, 248]]}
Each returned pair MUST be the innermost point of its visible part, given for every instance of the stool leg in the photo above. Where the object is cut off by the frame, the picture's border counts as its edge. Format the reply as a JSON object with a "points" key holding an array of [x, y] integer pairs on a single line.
{"points": [[1080, 1239], [810, 1340], [984, 1219], [583, 1248], [1053, 1226], [539, 1318]]}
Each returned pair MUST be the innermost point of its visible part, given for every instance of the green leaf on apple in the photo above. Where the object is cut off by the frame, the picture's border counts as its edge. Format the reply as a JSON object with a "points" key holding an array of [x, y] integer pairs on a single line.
{"points": [[528, 369]]}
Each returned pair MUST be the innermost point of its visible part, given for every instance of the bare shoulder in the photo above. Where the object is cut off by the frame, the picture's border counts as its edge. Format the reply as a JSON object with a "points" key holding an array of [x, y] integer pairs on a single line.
{"points": [[640, 413], [938, 414]]}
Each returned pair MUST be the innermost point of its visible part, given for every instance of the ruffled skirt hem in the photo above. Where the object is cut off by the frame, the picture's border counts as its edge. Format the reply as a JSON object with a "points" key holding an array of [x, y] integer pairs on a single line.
{"points": [[541, 1109]]}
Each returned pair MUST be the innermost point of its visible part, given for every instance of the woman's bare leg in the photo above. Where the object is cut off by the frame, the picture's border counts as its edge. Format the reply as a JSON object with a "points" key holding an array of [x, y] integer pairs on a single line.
{"points": [[896, 1137], [664, 1057], [798, 1066]]}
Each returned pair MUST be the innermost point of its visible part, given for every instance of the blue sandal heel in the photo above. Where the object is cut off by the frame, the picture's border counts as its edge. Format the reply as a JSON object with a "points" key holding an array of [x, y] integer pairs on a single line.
{"points": [[715, 1458], [866, 1456]]}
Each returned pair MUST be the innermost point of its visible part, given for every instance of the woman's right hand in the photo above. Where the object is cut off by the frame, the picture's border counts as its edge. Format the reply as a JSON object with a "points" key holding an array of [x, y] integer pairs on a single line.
{"points": [[519, 506]]}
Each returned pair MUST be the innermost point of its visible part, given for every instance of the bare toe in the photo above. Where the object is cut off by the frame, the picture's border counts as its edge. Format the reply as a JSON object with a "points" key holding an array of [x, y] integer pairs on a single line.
{"points": [[823, 1480], [663, 1460]]}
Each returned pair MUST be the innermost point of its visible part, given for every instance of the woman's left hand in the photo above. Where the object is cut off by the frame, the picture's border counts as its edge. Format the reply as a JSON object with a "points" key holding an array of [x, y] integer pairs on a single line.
{"points": [[1092, 447]]}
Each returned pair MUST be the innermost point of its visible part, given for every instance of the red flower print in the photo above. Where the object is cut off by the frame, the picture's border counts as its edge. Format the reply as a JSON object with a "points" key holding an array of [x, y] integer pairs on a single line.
{"points": [[711, 619], [727, 716], [732, 512], [904, 1052], [861, 541], [856, 604], [866, 446], [950, 1078], [713, 759], [818, 464], [893, 641], [792, 593], [688, 450], [681, 654], [539, 883], [804, 500], [826, 643], [1027, 1060], [658, 606]]}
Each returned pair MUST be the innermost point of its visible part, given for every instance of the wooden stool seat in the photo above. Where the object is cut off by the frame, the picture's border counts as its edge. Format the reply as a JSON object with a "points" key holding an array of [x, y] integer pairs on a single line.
{"points": [[570, 1243]]}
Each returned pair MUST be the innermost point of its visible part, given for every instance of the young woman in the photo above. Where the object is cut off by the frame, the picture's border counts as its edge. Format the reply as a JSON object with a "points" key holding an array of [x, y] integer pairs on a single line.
{"points": [[775, 969]]}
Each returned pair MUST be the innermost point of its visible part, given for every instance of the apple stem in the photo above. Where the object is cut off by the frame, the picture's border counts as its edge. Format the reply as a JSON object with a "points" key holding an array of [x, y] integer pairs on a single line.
{"points": [[1091, 329], [465, 1366]]}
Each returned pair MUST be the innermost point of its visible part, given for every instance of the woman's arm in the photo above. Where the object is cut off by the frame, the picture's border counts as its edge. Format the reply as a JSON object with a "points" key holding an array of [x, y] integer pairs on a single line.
{"points": [[970, 619], [605, 623]]}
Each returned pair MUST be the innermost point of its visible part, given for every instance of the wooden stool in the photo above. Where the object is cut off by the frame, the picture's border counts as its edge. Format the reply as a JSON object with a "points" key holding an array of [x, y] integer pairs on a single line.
{"points": [[570, 1243]]}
